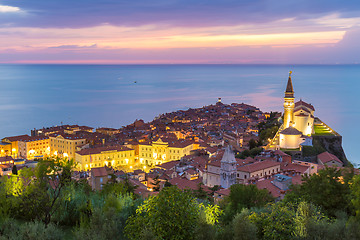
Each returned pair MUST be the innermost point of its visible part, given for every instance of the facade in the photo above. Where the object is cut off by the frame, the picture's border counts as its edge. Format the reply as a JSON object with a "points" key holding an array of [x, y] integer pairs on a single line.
{"points": [[98, 177], [5, 149], [107, 131], [114, 156], [34, 147], [212, 176], [14, 145], [257, 170], [159, 151], [298, 123], [64, 145], [228, 168]]}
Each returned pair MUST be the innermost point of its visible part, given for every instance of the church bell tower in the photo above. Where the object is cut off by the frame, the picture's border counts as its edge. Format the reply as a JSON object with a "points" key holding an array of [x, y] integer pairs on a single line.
{"points": [[289, 104]]}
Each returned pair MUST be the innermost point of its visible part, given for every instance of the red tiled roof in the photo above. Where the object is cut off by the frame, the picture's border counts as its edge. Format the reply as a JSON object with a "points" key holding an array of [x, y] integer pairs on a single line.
{"points": [[68, 136], [168, 165], [98, 150], [294, 167], [326, 157], [34, 138], [257, 166], [17, 138], [223, 192], [280, 153], [291, 131], [266, 184], [98, 172], [302, 103], [184, 183], [191, 171]]}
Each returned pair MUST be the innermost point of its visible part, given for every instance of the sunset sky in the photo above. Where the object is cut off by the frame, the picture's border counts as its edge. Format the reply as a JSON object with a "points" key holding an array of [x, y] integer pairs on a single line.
{"points": [[180, 31]]}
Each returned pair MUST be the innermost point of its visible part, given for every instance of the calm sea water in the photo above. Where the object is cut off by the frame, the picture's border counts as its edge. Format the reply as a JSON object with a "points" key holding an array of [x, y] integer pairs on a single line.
{"points": [[33, 96]]}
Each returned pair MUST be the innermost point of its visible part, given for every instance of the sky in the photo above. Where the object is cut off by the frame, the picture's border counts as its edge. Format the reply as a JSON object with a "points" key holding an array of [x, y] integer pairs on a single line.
{"points": [[180, 31]]}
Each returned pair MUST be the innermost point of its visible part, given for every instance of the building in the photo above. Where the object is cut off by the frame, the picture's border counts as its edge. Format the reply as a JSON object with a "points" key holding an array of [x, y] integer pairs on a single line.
{"points": [[98, 177], [64, 145], [5, 149], [161, 151], [329, 160], [107, 131], [14, 145], [34, 147], [257, 170], [228, 168], [298, 125], [111, 156]]}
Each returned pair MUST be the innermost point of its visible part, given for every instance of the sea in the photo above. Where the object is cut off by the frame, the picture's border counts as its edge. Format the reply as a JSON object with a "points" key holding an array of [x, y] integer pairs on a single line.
{"points": [[36, 96]]}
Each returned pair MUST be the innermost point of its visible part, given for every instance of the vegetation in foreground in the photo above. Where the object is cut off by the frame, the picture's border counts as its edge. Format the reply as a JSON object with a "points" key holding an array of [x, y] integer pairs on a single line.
{"points": [[45, 203]]}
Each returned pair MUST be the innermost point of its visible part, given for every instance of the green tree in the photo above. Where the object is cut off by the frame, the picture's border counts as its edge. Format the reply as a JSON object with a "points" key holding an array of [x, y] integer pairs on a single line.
{"points": [[355, 196], [172, 214], [244, 196], [307, 214], [327, 189], [275, 222], [252, 144], [242, 227], [14, 170]]}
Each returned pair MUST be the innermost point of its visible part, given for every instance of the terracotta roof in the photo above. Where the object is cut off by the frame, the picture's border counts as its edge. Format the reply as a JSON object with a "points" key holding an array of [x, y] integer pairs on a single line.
{"points": [[291, 131], [223, 192], [34, 138], [294, 167], [17, 138], [302, 103], [257, 166], [98, 172], [280, 153], [191, 171], [168, 165], [98, 150], [267, 184], [184, 183], [326, 157], [215, 163], [67, 136]]}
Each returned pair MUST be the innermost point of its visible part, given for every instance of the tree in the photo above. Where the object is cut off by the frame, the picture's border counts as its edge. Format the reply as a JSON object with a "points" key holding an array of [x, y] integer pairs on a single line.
{"points": [[14, 170], [52, 175], [327, 189], [200, 193], [172, 214], [355, 196], [252, 144], [306, 215], [242, 227], [244, 196], [275, 222]]}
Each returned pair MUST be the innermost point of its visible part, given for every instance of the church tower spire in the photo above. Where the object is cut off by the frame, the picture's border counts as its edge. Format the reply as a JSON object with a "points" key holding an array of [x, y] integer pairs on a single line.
{"points": [[289, 88], [289, 104]]}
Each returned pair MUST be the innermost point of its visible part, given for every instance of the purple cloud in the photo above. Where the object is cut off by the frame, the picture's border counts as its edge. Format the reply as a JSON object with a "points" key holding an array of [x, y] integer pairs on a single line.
{"points": [[83, 13]]}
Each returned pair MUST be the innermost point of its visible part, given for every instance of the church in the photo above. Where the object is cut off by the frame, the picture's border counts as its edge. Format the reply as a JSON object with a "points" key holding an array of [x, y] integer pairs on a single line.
{"points": [[298, 123]]}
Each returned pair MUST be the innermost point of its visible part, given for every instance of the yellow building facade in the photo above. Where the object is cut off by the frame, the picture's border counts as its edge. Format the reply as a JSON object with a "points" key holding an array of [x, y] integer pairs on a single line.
{"points": [[159, 151], [114, 156], [34, 147], [14, 145], [5, 149], [65, 145]]}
